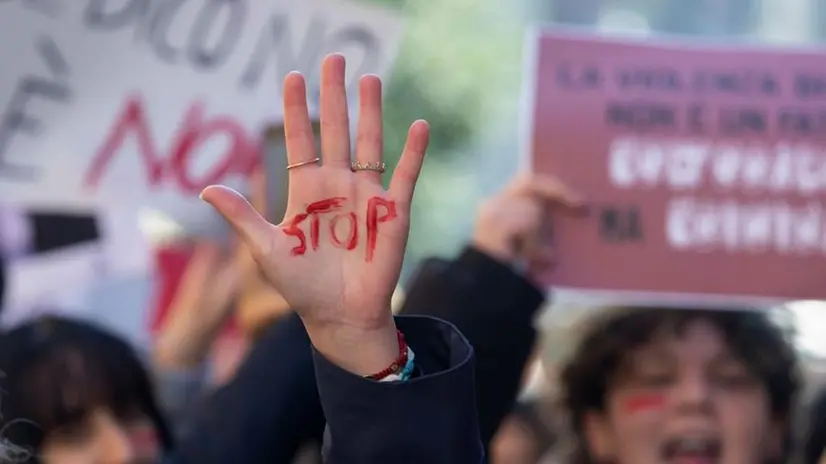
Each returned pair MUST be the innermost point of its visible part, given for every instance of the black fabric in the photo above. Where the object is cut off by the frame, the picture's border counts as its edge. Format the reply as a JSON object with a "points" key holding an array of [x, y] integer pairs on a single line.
{"points": [[494, 307], [815, 439], [271, 408], [429, 419], [267, 412], [51, 231]]}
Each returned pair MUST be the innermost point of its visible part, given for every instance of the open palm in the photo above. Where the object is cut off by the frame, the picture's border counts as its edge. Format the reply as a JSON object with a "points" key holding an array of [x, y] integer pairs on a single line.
{"points": [[337, 254]]}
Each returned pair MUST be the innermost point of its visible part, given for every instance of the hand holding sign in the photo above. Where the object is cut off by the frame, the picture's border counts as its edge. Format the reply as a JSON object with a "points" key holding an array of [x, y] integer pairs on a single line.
{"points": [[509, 225], [337, 255]]}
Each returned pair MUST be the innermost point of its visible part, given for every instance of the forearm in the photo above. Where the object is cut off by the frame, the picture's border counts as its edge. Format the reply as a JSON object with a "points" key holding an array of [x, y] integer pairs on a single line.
{"points": [[430, 418], [199, 310], [185, 339]]}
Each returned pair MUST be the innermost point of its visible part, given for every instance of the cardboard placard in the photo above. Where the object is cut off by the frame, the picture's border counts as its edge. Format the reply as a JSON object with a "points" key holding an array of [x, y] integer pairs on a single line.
{"points": [[704, 166], [143, 104]]}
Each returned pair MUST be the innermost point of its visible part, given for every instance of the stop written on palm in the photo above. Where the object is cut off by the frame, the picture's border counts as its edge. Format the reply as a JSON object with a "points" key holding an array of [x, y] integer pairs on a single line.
{"points": [[337, 255]]}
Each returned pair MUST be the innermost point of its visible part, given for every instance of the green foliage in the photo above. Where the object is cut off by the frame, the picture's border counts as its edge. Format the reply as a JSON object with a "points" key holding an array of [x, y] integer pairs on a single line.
{"points": [[405, 101], [459, 63]]}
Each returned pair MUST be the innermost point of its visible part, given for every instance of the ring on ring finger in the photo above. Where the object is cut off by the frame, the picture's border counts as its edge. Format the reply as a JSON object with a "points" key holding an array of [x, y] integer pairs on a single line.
{"points": [[378, 166]]}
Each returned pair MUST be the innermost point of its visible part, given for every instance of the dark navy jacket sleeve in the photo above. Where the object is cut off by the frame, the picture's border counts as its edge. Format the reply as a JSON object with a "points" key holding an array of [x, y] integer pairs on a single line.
{"points": [[430, 419], [272, 407], [494, 307]]}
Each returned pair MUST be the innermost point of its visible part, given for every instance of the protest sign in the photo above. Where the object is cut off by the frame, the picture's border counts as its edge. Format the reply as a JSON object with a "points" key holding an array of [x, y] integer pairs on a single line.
{"points": [[144, 103], [703, 166], [55, 261]]}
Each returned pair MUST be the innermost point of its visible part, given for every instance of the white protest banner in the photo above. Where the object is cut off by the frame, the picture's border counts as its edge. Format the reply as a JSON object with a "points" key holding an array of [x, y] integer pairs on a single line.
{"points": [[54, 261], [145, 102]]}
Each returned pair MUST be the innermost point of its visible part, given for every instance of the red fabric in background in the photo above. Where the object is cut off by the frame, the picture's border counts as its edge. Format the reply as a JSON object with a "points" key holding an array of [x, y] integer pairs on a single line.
{"points": [[170, 264]]}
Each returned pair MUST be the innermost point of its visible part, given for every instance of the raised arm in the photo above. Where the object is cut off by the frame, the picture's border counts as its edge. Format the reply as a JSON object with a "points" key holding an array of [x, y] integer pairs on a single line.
{"points": [[486, 293], [336, 259]]}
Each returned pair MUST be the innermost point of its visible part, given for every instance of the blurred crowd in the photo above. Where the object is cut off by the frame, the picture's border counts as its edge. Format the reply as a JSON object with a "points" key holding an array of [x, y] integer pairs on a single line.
{"points": [[642, 384]]}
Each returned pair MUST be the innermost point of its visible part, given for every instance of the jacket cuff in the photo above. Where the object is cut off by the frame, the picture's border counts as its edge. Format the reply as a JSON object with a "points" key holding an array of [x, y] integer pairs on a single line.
{"points": [[430, 418]]}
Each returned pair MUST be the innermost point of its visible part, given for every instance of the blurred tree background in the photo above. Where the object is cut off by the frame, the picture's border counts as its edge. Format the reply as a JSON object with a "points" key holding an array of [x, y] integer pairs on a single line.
{"points": [[460, 67], [457, 59]]}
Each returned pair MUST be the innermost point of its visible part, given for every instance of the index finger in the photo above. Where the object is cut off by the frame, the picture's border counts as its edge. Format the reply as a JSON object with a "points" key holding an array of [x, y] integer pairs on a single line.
{"points": [[547, 188]]}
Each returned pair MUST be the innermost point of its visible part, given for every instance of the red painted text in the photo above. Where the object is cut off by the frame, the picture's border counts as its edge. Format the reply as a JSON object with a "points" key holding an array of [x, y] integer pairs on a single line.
{"points": [[379, 211], [644, 402], [174, 163]]}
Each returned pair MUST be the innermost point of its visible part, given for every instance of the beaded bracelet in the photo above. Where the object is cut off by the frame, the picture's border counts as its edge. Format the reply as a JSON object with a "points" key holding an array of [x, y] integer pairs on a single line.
{"points": [[407, 372], [397, 365]]}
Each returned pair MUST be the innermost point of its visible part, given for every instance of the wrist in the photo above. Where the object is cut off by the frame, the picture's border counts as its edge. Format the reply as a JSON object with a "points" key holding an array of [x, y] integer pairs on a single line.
{"points": [[361, 351]]}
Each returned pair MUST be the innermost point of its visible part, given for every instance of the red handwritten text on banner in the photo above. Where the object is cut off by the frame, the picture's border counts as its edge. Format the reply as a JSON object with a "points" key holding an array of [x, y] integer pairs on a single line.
{"points": [[174, 165]]}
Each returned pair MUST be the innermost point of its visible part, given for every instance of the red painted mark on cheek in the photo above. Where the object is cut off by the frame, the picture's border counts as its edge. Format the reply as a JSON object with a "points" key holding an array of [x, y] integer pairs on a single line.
{"points": [[644, 403], [352, 237], [373, 221]]}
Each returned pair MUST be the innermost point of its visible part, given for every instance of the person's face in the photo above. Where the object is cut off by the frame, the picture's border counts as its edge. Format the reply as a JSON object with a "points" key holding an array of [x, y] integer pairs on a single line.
{"points": [[103, 439], [513, 444], [685, 400]]}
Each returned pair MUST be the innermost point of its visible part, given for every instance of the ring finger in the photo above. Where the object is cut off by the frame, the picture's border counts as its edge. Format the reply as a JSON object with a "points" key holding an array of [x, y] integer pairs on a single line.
{"points": [[369, 143]]}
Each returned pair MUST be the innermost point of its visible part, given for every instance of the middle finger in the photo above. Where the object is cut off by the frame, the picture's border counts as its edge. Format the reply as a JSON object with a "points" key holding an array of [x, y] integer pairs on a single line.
{"points": [[335, 122]]}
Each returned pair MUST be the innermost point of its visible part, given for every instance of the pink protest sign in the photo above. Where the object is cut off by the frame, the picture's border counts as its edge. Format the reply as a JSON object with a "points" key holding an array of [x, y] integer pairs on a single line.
{"points": [[704, 166]]}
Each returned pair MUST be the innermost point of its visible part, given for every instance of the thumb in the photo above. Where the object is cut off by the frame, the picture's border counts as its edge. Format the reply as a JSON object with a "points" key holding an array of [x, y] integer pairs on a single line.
{"points": [[253, 229]]}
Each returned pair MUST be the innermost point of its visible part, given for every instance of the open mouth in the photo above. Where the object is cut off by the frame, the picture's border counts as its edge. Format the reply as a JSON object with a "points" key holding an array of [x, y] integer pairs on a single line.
{"points": [[692, 450]]}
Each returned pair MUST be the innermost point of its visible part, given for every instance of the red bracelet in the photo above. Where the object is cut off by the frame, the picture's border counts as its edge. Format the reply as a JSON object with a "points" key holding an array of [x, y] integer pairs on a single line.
{"points": [[397, 365]]}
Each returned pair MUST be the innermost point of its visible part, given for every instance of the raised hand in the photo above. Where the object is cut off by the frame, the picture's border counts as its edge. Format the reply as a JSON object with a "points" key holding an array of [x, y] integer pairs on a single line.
{"points": [[337, 255], [509, 224], [203, 303]]}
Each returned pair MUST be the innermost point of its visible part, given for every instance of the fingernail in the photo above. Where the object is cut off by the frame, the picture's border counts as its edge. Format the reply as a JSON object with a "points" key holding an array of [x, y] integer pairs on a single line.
{"points": [[201, 195]]}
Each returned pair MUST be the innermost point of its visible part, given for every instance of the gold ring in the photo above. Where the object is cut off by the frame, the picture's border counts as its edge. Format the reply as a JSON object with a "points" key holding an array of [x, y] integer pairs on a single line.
{"points": [[303, 163], [378, 166]]}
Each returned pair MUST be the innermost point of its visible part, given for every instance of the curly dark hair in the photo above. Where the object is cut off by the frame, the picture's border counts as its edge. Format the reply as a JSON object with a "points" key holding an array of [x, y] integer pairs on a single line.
{"points": [[751, 335]]}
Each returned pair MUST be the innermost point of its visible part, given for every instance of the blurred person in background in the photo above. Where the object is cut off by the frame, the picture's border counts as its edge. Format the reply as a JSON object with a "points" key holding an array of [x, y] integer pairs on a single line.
{"points": [[179, 371], [62, 384], [270, 409], [74, 393], [658, 385], [814, 441], [203, 304], [523, 437]]}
